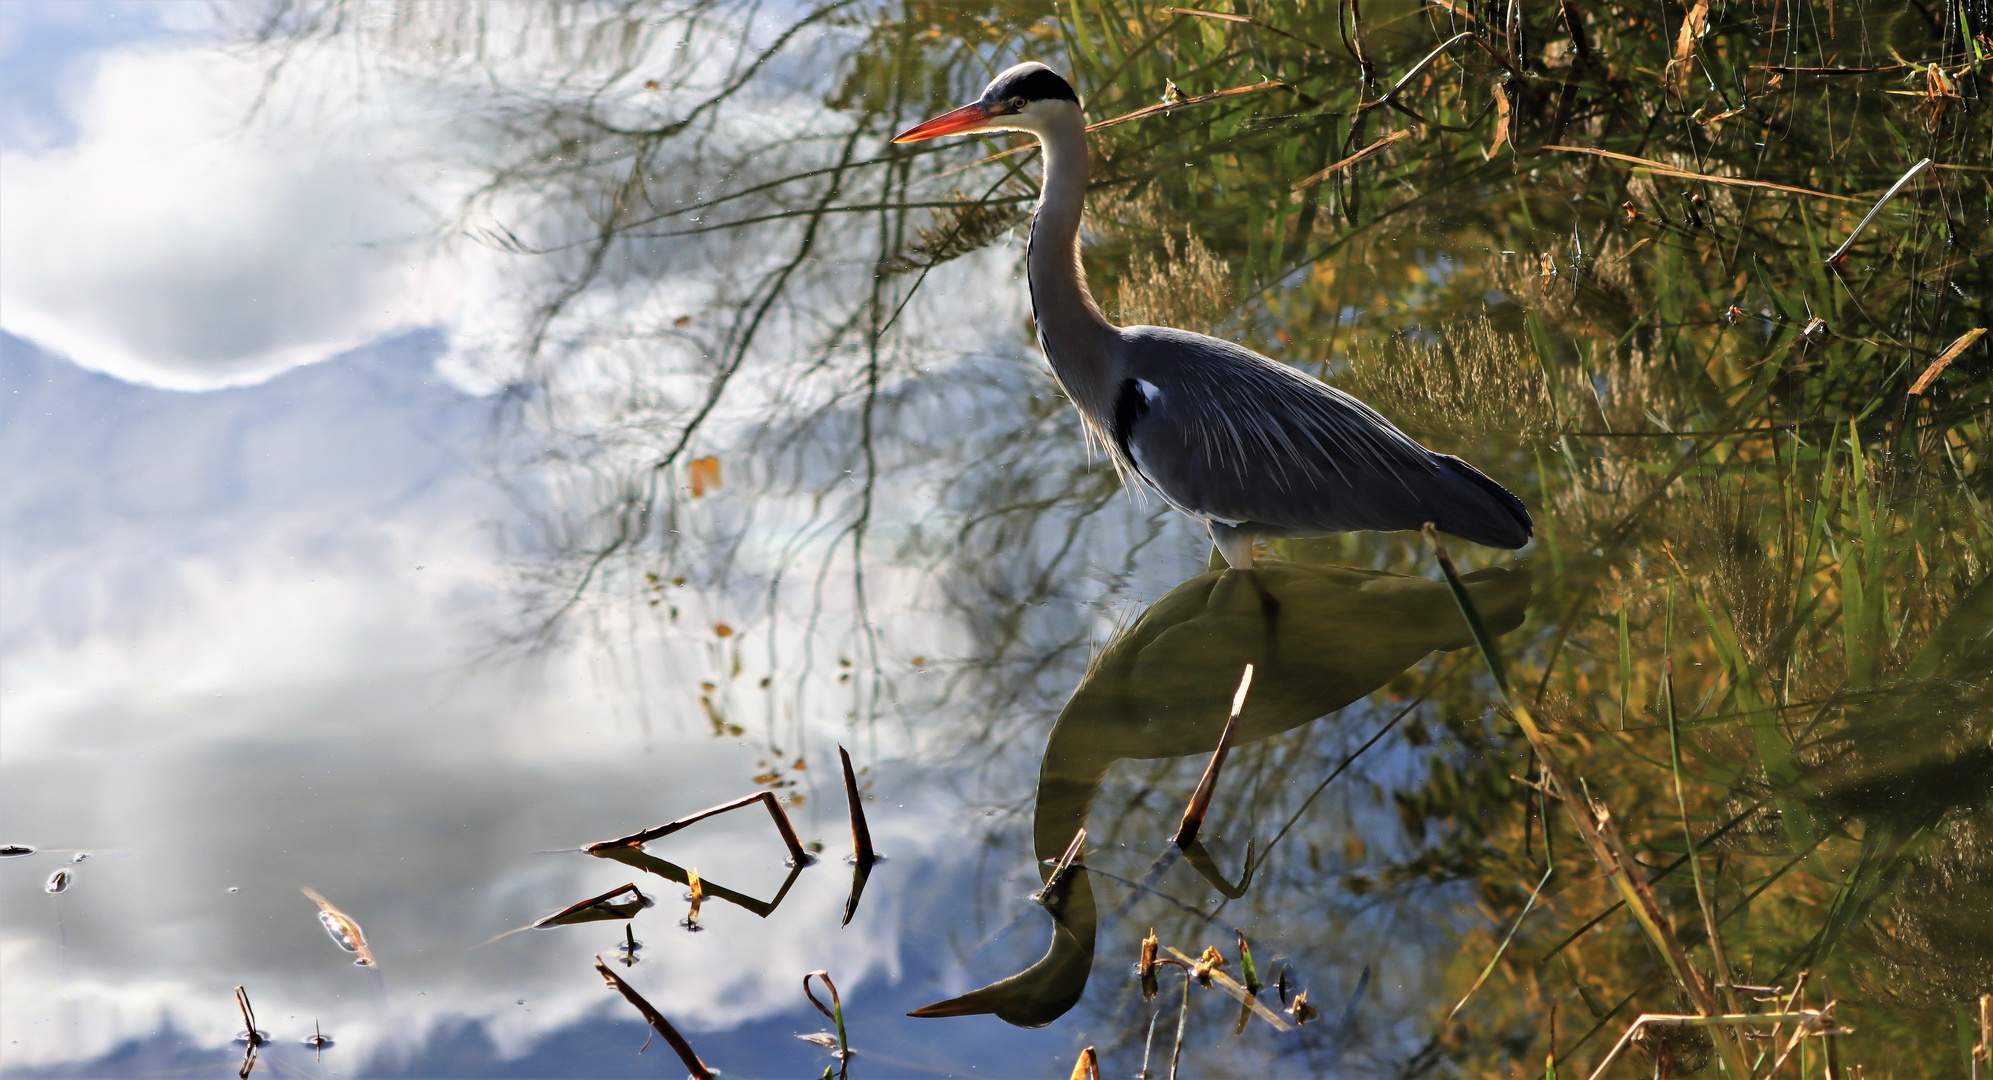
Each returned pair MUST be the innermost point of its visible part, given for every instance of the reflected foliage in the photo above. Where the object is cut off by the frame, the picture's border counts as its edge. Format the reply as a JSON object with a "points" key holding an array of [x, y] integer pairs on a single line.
{"points": [[1588, 241]]}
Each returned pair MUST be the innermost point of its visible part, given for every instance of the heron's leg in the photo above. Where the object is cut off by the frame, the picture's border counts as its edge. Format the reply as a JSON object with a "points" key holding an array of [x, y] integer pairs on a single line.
{"points": [[1236, 545], [1233, 543]]}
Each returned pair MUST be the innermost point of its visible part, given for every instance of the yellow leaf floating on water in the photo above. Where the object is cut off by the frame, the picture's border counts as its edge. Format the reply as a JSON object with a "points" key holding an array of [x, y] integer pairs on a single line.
{"points": [[705, 474], [344, 931]]}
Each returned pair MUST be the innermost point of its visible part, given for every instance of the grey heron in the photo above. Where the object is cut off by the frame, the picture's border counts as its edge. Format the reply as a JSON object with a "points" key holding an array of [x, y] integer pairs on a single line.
{"points": [[1248, 445]]}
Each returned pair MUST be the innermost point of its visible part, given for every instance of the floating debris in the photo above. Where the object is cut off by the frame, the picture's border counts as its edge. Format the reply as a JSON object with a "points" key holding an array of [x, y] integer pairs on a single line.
{"points": [[1145, 969], [344, 931], [705, 475], [15, 851], [598, 908], [601, 908], [797, 856], [57, 882], [835, 1013], [1211, 961], [1301, 1011], [671, 871], [697, 896], [862, 855], [628, 947], [250, 1035], [318, 1040], [1200, 802], [658, 1023], [1229, 985], [1246, 969], [1088, 1066], [80, 857]]}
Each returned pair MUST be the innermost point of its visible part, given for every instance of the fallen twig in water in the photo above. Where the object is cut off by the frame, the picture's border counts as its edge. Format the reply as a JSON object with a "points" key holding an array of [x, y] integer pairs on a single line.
{"points": [[602, 908], [1683, 174], [1842, 251], [797, 856], [593, 909], [1401, 133], [1945, 358], [1231, 986], [1064, 864], [1810, 1021], [1200, 802], [657, 1022], [250, 1037], [1088, 1066], [670, 871]]}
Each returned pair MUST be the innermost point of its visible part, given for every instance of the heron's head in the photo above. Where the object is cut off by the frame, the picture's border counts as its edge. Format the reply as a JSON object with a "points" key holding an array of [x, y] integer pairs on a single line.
{"points": [[1028, 97]]}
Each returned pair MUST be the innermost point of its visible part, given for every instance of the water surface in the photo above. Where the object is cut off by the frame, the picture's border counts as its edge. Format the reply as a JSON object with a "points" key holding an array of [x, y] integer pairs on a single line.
{"points": [[443, 437]]}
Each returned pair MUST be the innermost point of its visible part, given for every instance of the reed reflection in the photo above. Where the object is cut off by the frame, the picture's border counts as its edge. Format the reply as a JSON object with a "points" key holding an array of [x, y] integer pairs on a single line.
{"points": [[1162, 688]]}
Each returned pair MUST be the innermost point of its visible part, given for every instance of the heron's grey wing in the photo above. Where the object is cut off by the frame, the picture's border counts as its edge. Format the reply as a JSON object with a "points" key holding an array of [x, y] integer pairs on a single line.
{"points": [[1231, 435]]}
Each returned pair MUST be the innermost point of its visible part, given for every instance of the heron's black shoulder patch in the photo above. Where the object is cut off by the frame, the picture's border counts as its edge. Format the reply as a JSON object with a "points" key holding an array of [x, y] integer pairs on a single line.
{"points": [[1130, 405], [1035, 82]]}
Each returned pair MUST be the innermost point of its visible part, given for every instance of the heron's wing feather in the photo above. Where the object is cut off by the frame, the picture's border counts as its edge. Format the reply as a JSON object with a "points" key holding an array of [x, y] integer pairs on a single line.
{"points": [[1229, 434]]}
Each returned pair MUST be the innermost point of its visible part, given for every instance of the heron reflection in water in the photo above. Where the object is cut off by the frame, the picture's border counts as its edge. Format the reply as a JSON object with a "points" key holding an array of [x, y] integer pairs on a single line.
{"points": [[1163, 687], [1251, 447]]}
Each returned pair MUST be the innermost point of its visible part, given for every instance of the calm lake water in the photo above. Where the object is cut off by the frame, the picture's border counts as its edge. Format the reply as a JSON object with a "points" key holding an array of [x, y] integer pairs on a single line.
{"points": [[441, 437]]}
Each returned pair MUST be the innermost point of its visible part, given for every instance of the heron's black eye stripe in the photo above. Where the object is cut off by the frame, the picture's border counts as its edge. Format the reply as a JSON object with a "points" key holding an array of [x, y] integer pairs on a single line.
{"points": [[1130, 405]]}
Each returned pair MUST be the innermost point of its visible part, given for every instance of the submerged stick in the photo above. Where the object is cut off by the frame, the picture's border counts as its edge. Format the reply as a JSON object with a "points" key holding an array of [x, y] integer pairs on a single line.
{"points": [[251, 1038], [861, 834], [637, 897], [1499, 950], [1807, 1017], [1842, 251], [1064, 864], [1660, 169], [1088, 1066], [1200, 802], [1945, 358], [1232, 987], [797, 856], [1345, 163], [657, 1022], [249, 1033]]}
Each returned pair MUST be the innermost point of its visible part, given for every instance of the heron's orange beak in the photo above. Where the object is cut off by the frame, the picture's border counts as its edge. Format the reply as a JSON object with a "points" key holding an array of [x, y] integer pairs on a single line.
{"points": [[967, 118]]}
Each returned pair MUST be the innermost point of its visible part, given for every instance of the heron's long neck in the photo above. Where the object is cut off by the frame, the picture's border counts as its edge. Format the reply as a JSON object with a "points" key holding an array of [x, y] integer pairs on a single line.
{"points": [[1077, 339]]}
